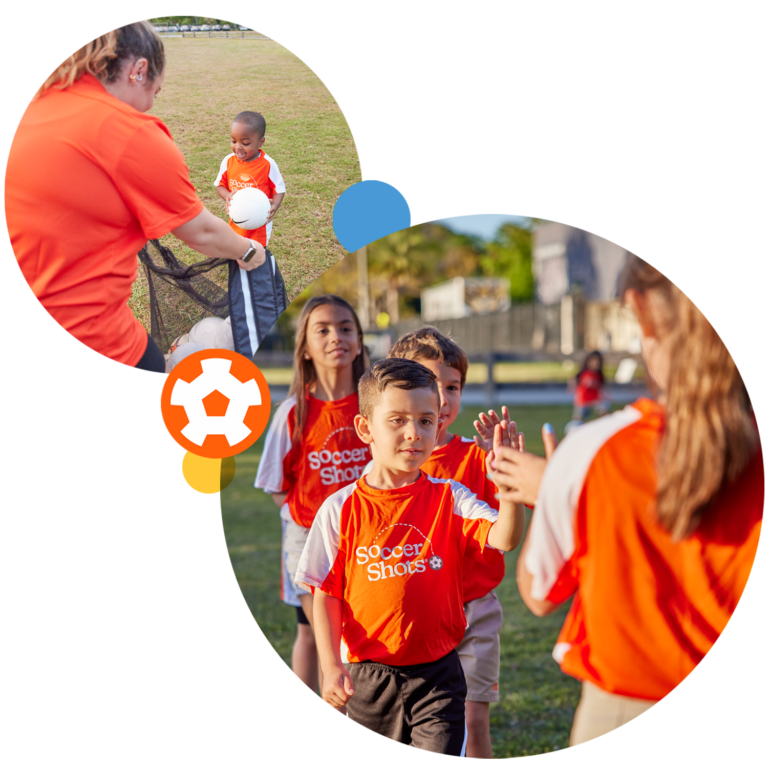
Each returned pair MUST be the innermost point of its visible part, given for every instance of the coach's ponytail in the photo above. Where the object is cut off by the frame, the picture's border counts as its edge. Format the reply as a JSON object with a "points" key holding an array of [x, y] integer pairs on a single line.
{"points": [[709, 434], [304, 374], [104, 56]]}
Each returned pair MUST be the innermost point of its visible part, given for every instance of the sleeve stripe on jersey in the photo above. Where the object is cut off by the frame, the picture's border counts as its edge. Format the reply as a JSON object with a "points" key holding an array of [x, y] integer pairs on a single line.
{"points": [[466, 504], [269, 476], [274, 174], [551, 542], [222, 169], [322, 545]]}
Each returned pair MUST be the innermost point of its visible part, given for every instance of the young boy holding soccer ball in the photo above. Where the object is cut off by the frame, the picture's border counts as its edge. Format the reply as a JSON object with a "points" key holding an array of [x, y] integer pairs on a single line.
{"points": [[384, 560], [249, 166]]}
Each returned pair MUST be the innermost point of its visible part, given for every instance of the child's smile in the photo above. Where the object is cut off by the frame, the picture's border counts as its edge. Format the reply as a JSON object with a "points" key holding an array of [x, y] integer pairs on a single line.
{"points": [[245, 142]]}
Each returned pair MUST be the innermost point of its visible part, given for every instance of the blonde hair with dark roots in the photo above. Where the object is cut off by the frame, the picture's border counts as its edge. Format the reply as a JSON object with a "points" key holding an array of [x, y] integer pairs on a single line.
{"points": [[104, 57], [428, 343], [709, 435], [304, 374]]}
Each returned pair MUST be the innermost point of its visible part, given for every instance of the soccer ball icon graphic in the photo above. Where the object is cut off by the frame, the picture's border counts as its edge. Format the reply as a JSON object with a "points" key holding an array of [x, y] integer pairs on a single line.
{"points": [[435, 563], [216, 378]]}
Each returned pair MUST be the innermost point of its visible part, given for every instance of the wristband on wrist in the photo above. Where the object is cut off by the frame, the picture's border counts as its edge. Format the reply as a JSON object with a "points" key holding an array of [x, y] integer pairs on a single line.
{"points": [[250, 253]]}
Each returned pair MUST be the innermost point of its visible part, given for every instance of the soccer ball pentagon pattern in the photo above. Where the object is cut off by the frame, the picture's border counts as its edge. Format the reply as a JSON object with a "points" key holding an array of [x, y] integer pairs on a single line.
{"points": [[216, 378], [435, 563]]}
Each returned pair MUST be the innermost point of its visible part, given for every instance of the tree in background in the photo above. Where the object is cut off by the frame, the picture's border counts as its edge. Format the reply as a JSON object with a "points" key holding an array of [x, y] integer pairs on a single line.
{"points": [[398, 263], [402, 264], [510, 255]]}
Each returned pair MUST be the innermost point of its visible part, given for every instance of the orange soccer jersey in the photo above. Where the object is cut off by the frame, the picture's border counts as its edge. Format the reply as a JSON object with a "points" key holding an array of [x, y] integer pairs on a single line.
{"points": [[262, 173], [647, 609], [463, 461], [328, 456], [394, 558]]}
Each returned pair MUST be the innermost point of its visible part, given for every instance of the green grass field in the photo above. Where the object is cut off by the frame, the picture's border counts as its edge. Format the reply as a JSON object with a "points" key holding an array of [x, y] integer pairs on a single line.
{"points": [[208, 82], [537, 702]]}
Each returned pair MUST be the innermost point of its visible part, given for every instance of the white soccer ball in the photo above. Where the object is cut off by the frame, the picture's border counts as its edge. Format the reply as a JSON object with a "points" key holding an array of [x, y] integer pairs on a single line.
{"points": [[249, 208], [205, 331], [183, 339], [178, 354], [224, 338]]}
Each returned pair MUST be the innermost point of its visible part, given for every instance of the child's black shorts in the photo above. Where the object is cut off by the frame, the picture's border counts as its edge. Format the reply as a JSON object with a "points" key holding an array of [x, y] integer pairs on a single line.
{"points": [[421, 705]]}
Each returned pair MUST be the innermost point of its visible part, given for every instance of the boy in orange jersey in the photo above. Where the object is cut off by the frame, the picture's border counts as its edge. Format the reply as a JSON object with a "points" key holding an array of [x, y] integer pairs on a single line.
{"points": [[249, 166], [384, 559], [460, 459]]}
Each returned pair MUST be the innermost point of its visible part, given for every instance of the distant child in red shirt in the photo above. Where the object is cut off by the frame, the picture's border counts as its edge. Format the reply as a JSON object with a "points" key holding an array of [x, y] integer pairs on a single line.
{"points": [[385, 561], [312, 449], [590, 393], [249, 166], [459, 458]]}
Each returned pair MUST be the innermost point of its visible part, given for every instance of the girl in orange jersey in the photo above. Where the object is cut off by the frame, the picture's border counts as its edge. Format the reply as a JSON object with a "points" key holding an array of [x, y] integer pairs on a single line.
{"points": [[650, 515], [312, 449]]}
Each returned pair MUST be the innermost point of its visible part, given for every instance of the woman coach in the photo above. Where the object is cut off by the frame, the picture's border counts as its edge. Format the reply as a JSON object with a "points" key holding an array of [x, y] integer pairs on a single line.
{"points": [[650, 516], [89, 179]]}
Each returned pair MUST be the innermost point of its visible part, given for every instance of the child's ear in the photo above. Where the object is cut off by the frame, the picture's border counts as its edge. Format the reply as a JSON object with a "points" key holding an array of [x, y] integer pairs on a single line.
{"points": [[363, 429]]}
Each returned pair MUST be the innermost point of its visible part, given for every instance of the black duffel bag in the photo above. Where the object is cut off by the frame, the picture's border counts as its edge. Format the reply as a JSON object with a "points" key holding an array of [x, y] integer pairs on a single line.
{"points": [[257, 298]]}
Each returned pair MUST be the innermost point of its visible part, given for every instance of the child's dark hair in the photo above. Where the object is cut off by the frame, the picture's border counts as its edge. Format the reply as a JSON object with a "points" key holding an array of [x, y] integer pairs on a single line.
{"points": [[393, 372], [428, 343], [254, 121], [594, 355], [304, 374]]}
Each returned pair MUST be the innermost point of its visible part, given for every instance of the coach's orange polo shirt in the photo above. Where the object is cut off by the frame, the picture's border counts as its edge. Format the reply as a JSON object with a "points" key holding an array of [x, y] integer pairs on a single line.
{"points": [[90, 180], [647, 609]]}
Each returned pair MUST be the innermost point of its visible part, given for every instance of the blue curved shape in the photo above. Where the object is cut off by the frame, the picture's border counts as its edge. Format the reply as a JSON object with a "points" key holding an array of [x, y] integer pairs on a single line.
{"points": [[373, 208]]}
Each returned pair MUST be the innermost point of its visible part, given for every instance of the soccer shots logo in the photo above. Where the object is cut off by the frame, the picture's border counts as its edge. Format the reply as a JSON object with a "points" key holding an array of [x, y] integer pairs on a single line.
{"points": [[404, 559], [241, 181], [337, 465]]}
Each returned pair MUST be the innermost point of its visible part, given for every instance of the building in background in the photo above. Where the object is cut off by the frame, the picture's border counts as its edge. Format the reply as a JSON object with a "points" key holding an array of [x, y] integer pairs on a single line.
{"points": [[464, 296], [567, 261]]}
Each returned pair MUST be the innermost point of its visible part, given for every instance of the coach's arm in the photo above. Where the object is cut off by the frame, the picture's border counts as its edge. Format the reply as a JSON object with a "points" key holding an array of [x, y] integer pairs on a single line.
{"points": [[523, 472]]}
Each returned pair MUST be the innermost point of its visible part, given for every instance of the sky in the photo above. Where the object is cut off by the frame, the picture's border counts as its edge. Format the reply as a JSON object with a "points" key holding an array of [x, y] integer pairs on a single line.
{"points": [[482, 225]]}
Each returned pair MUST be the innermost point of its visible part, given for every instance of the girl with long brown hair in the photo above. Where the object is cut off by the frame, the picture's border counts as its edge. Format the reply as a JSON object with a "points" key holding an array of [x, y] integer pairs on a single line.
{"points": [[311, 449], [649, 516]]}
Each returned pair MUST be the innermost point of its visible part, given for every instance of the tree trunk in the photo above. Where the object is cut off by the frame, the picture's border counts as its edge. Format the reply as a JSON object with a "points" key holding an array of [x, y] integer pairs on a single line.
{"points": [[392, 300]]}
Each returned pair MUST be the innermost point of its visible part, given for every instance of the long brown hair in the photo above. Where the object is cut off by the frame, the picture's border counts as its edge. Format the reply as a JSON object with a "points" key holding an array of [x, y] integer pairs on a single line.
{"points": [[304, 373], [104, 57], [709, 434]]}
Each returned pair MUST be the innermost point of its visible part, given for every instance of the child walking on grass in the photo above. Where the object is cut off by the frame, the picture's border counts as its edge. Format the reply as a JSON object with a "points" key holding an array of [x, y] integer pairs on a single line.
{"points": [[461, 459], [384, 561], [311, 449]]}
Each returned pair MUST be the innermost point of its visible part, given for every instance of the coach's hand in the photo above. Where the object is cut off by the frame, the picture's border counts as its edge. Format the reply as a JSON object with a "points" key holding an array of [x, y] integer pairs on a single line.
{"points": [[337, 687], [518, 475]]}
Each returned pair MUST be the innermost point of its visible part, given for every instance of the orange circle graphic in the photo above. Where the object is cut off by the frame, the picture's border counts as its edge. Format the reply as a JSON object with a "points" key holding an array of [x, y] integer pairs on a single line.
{"points": [[215, 403]]}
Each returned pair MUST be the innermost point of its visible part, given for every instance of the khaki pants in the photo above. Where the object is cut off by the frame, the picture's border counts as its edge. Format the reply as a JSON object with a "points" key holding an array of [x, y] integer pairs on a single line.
{"points": [[600, 712]]}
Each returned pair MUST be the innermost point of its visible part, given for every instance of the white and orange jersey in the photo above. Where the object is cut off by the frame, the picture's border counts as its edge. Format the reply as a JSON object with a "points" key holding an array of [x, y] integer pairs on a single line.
{"points": [[395, 558], [647, 609], [262, 173], [328, 456], [463, 461]]}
